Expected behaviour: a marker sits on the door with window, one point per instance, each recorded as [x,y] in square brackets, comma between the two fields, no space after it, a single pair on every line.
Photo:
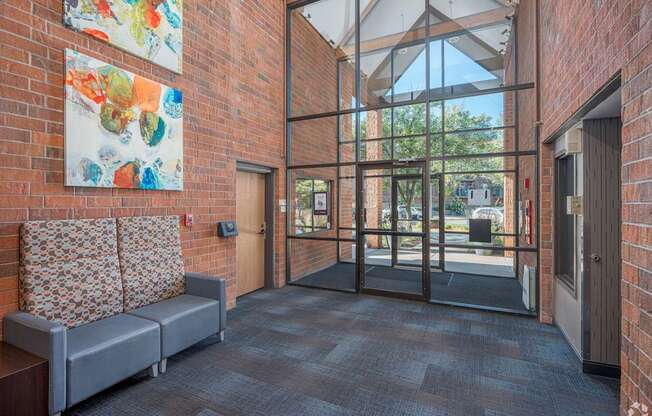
[392,236]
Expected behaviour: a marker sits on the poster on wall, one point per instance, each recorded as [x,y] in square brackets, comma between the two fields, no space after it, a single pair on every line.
[320,206]
[151,29]
[121,130]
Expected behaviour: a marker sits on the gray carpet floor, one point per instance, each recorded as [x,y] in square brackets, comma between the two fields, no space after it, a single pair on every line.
[308,352]
[484,291]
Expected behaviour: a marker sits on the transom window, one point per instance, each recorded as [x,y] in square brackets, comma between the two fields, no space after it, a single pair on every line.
[311,215]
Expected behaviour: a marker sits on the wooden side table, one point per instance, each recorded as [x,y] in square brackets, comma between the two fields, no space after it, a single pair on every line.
[23,382]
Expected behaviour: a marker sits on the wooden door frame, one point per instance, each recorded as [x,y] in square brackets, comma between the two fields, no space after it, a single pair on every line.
[270,223]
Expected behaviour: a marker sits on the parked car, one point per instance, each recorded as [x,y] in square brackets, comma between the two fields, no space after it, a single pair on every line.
[490,213]
[417,213]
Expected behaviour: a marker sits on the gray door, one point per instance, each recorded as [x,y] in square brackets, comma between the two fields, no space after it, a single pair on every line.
[601,323]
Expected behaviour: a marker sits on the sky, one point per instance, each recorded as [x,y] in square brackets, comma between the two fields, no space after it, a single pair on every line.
[460,69]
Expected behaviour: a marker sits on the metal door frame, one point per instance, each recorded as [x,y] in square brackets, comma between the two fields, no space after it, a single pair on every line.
[437,178]
[362,232]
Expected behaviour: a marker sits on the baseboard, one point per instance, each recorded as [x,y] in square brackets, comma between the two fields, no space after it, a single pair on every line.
[601,369]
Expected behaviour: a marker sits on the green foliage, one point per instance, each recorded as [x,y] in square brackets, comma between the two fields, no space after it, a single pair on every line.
[456,206]
[411,121]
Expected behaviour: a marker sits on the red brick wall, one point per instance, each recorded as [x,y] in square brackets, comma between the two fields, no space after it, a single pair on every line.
[314,90]
[584,43]
[233,85]
[636,355]
[522,43]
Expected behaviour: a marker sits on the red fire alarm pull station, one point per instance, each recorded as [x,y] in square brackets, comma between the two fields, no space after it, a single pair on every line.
[188,220]
[527,183]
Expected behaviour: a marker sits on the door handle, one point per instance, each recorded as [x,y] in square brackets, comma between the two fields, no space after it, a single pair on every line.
[262,229]
[595,257]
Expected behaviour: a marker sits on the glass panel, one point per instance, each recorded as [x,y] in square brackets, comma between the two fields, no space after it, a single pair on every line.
[346,201]
[478,112]
[376,150]
[376,77]
[479,142]
[377,203]
[347,152]
[409,204]
[346,80]
[480,261]
[447,10]
[410,148]
[305,208]
[436,166]
[347,252]
[434,209]
[526,119]
[409,251]
[436,145]
[527,192]
[390,21]
[314,141]
[436,73]
[378,251]
[473,61]
[347,127]
[379,273]
[323,57]
[477,164]
[478,196]
[376,124]
[476,40]
[391,72]
[314,263]
[409,120]
[436,117]
[434,256]
[407,171]
[409,70]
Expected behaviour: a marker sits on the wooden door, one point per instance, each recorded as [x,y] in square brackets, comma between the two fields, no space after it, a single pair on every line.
[250,243]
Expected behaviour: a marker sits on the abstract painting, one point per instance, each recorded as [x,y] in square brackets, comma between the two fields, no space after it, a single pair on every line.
[121,130]
[151,29]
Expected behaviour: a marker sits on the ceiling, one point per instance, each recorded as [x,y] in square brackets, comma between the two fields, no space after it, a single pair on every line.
[391,21]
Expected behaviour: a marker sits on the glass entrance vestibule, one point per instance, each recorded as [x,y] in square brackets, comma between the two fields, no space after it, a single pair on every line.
[408,171]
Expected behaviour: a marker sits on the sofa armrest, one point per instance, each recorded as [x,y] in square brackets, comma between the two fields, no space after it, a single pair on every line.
[45,339]
[198,284]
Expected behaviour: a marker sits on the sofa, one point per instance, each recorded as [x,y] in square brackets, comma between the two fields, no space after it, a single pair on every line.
[104,299]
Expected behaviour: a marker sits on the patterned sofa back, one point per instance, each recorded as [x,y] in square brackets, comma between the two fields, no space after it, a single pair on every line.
[151,264]
[69,271]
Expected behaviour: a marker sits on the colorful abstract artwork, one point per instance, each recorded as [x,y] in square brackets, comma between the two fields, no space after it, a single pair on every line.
[151,29]
[121,130]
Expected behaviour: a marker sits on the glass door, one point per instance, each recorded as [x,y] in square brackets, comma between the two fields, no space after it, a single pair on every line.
[407,217]
[392,238]
[437,217]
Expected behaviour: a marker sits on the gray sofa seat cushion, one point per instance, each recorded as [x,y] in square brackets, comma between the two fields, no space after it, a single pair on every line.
[105,352]
[185,320]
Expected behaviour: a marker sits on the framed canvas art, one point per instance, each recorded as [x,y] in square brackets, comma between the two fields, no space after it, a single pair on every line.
[121,130]
[151,29]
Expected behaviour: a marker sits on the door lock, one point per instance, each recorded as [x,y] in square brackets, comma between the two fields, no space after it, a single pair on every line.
[596,258]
